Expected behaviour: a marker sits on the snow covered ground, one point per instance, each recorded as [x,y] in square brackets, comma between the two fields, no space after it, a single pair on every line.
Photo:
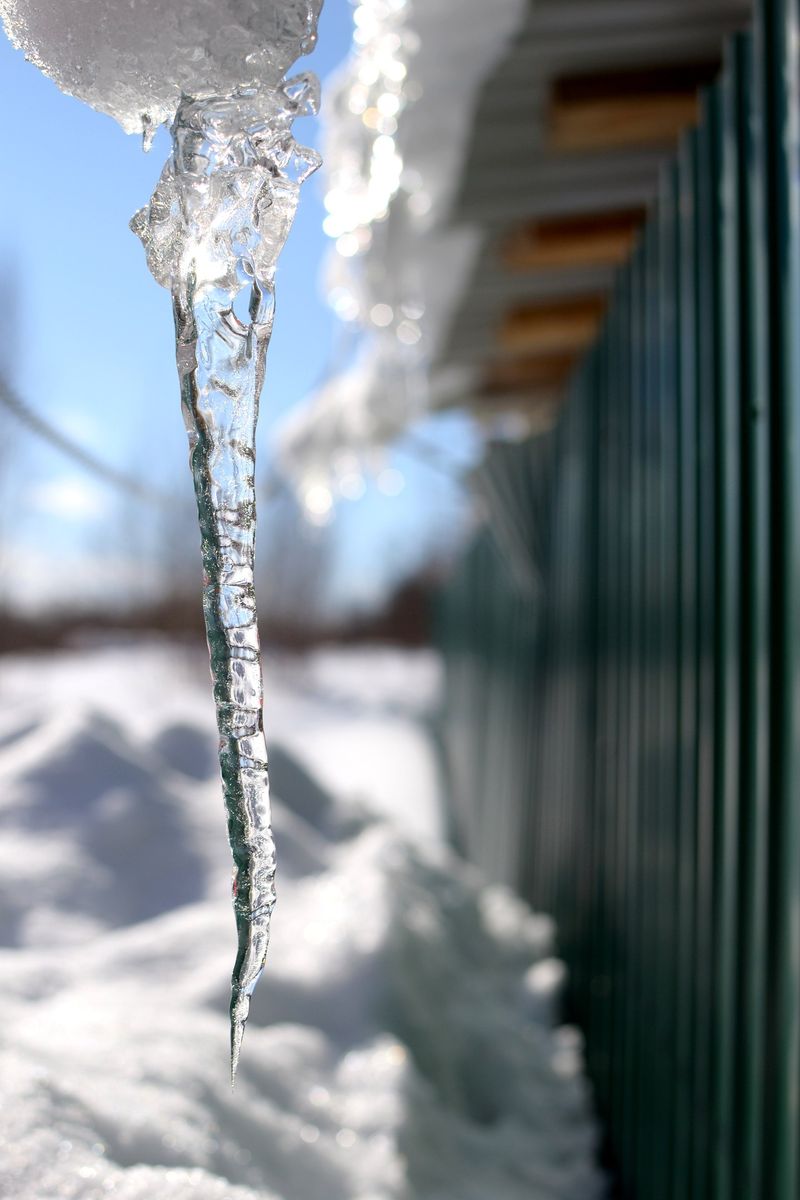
[401,1043]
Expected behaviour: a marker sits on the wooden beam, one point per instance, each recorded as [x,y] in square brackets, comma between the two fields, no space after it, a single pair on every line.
[533,373]
[552,327]
[642,107]
[554,243]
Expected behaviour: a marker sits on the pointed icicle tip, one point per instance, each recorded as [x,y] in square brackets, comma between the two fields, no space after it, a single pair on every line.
[240,1007]
[237,1034]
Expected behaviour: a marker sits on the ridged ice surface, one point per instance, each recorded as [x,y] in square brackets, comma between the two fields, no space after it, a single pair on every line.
[212,232]
[132,59]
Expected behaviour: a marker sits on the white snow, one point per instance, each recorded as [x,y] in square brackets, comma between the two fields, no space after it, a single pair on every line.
[401,1044]
[132,58]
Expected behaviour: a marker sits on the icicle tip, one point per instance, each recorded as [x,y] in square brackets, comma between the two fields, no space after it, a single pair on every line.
[240,1007]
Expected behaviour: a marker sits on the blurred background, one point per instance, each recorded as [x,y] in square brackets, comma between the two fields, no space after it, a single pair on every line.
[80,543]
[528,588]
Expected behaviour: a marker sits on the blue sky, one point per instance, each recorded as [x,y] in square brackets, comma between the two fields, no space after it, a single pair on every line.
[92,342]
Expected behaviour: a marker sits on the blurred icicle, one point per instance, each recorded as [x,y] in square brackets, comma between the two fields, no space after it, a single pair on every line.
[396,134]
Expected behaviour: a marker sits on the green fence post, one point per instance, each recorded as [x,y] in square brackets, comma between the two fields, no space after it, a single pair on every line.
[777,42]
[755,574]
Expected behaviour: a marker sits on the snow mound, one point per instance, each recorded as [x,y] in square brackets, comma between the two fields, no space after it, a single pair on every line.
[403,1042]
[133,58]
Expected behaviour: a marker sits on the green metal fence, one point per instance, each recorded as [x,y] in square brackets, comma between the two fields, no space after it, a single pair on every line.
[623,652]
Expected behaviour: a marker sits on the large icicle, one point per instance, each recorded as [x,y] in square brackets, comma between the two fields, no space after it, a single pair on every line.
[213,231]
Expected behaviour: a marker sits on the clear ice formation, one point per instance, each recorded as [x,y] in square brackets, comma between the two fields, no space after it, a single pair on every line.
[212,232]
[133,59]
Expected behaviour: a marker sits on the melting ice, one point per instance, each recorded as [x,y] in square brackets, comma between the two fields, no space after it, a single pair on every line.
[212,232]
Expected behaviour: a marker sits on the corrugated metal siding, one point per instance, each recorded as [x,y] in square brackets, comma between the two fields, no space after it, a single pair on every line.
[624,687]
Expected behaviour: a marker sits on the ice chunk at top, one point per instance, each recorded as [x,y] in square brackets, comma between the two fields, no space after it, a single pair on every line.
[132,59]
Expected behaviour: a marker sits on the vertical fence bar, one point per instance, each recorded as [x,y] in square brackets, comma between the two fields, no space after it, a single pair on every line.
[754,768]
[623,807]
[628,1128]
[704,309]
[727,629]
[668,668]
[586,639]
[652,781]
[687,493]
[777,41]
[597,681]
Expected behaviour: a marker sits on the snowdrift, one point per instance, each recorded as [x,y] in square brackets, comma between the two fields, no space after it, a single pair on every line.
[402,1043]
